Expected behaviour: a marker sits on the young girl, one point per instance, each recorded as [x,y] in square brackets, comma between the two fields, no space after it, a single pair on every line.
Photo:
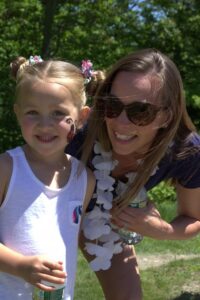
[42,189]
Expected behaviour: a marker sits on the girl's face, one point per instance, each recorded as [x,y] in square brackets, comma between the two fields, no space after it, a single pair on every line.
[47,116]
[129,137]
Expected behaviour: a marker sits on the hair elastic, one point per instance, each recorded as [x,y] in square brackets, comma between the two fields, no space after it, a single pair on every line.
[35,60]
[87,70]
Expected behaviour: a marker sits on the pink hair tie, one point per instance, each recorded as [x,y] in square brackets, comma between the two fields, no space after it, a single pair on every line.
[35,60]
[87,70]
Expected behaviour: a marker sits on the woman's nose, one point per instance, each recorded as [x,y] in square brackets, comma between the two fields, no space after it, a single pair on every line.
[123,119]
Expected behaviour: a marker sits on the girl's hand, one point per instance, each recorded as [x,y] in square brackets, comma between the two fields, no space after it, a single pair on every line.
[35,269]
[146,221]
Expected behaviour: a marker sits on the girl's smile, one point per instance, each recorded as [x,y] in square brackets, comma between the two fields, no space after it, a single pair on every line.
[44,116]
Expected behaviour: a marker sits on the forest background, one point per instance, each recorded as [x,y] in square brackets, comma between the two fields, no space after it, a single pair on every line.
[102,31]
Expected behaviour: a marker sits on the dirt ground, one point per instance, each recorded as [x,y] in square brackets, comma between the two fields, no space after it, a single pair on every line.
[149,261]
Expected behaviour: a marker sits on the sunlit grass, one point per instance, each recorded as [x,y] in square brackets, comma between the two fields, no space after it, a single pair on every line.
[177,280]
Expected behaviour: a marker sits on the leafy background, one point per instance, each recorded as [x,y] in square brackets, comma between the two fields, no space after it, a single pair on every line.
[102,31]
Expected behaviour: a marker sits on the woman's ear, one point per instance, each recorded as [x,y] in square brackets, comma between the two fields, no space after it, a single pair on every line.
[167,119]
[163,119]
[83,116]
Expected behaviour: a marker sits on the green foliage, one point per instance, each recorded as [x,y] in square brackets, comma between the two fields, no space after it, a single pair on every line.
[102,31]
[162,193]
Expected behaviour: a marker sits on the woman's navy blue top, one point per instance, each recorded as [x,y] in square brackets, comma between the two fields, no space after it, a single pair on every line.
[185,170]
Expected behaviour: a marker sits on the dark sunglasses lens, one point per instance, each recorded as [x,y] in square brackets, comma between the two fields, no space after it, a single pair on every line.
[113,108]
[141,114]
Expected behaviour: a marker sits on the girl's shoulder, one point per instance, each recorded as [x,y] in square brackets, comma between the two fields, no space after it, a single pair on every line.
[90,188]
[5,173]
[5,162]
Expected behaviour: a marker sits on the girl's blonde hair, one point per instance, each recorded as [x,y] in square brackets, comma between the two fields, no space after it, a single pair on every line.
[63,73]
[153,63]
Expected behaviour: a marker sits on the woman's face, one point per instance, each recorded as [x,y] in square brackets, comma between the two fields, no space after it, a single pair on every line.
[125,136]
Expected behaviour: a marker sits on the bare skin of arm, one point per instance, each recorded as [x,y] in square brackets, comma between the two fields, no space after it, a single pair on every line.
[148,221]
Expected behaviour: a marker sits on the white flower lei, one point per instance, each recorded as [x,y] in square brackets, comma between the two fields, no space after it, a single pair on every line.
[96,224]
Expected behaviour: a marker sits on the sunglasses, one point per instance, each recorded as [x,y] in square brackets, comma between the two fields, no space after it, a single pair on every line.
[139,113]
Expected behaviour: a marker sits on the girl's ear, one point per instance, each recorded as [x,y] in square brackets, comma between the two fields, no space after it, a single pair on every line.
[83,116]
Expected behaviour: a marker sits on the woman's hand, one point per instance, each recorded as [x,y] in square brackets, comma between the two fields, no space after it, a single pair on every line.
[36,269]
[146,221]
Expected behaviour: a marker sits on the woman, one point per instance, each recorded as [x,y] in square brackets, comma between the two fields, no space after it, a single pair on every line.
[139,133]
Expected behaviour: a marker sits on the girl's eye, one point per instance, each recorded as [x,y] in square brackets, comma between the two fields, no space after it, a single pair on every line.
[58,113]
[31,112]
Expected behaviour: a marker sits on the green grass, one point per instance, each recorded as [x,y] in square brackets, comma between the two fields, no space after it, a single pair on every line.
[177,280]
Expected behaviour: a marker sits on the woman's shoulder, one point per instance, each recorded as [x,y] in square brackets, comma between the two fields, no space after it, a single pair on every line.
[185,163]
[74,147]
[193,139]
[181,165]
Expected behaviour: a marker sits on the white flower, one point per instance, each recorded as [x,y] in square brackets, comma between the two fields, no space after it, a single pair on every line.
[102,163]
[95,228]
[100,263]
[106,184]
[104,254]
[104,198]
[97,213]
[98,250]
[111,237]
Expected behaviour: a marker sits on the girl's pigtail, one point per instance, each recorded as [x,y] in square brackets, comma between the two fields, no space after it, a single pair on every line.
[19,63]
[93,79]
[16,65]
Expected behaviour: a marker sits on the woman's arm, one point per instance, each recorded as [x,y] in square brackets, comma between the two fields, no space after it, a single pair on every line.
[148,222]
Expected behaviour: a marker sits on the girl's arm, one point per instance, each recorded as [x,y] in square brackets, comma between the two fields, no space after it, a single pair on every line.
[5,174]
[148,222]
[90,188]
[32,269]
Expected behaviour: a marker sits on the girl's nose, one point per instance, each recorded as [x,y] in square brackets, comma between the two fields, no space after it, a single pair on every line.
[45,121]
